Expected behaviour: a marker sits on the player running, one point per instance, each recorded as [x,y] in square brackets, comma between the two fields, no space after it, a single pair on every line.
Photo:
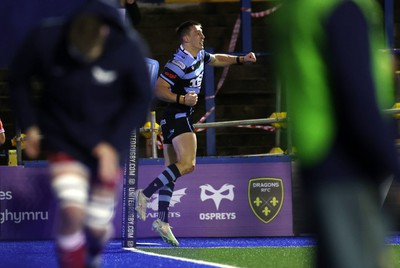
[179,84]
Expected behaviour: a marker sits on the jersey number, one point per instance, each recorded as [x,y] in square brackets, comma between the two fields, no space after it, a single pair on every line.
[196,82]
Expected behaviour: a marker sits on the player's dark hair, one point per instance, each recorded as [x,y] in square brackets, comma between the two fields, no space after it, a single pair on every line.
[184,28]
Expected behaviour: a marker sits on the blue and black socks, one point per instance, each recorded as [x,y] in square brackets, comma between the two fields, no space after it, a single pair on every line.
[165,182]
[164,199]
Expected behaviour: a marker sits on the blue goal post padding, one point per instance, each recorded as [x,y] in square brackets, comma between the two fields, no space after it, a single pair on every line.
[153,70]
[131,176]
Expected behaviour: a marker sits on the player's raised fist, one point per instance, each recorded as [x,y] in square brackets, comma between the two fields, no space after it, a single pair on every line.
[250,57]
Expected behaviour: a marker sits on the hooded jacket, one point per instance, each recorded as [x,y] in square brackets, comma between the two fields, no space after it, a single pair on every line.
[82,103]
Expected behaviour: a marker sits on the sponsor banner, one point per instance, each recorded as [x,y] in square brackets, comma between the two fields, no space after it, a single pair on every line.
[226,197]
[223,197]
[27,206]
[266,196]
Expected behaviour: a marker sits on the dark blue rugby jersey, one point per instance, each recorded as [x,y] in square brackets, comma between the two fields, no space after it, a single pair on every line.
[185,73]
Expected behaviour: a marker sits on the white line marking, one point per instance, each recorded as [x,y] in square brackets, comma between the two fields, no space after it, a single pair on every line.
[180,259]
[148,244]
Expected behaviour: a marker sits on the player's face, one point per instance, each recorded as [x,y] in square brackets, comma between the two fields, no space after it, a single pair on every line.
[197,37]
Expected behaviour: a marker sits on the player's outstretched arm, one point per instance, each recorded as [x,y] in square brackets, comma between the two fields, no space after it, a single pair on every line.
[223,60]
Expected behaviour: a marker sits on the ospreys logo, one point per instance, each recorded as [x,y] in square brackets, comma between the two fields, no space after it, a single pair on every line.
[225,192]
[265,197]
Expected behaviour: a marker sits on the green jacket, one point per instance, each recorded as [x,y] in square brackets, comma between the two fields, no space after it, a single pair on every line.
[304,72]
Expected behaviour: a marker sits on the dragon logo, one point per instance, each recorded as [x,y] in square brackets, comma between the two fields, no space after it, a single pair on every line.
[176,198]
[225,192]
[266,196]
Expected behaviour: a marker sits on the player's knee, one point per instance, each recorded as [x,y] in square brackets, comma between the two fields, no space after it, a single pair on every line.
[71,190]
[188,167]
[192,167]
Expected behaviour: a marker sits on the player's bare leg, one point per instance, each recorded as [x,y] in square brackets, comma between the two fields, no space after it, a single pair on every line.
[99,228]
[185,147]
[70,185]
[170,156]
[180,159]
[182,153]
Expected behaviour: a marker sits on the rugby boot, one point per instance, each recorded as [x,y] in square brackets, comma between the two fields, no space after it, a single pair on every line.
[141,204]
[165,232]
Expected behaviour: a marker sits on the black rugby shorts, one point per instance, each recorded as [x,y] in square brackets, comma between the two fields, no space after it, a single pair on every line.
[173,125]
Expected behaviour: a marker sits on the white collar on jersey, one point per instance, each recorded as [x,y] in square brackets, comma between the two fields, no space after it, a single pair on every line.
[187,52]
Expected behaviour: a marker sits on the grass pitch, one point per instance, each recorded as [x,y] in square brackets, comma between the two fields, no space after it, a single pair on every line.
[299,257]
[257,257]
